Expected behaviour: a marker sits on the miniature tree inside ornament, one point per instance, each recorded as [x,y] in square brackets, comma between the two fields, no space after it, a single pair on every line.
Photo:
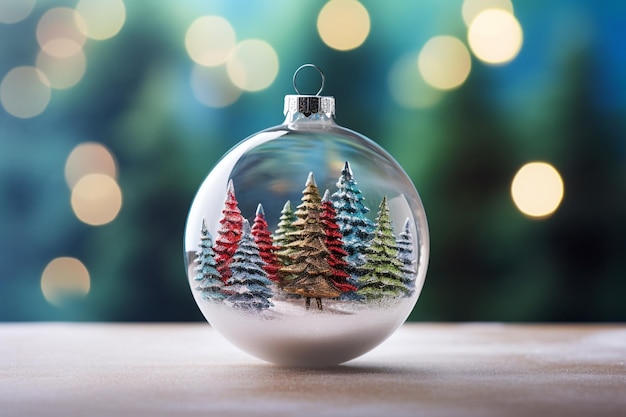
[319,278]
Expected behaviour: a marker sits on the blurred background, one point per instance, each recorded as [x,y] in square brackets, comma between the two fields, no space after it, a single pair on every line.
[509,117]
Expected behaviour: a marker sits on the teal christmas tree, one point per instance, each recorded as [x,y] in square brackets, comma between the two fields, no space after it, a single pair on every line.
[355,227]
[407,257]
[383,276]
[263,239]
[248,285]
[209,280]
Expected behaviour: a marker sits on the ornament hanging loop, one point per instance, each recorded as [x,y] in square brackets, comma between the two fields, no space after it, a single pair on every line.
[306,104]
[295,74]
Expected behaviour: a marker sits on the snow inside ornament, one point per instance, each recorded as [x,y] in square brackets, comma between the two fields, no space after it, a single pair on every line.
[307,244]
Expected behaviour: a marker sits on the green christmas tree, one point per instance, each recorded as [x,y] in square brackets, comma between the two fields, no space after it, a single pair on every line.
[407,257]
[285,225]
[209,280]
[312,275]
[248,285]
[383,275]
[283,237]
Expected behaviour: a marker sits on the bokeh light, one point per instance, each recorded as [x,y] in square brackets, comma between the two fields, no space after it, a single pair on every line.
[537,189]
[210,40]
[25,92]
[407,87]
[444,62]
[62,72]
[13,11]
[103,18]
[472,8]
[96,199]
[253,65]
[63,280]
[212,87]
[343,24]
[89,158]
[60,32]
[495,36]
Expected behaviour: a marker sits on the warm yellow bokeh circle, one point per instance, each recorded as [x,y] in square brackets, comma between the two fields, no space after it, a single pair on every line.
[64,279]
[537,189]
[343,24]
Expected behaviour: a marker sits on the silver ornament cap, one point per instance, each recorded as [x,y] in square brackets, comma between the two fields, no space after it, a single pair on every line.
[309,105]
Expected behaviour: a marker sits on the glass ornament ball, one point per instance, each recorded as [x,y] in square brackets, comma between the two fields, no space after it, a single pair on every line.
[307,243]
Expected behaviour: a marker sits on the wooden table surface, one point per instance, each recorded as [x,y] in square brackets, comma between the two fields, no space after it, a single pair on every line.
[482,369]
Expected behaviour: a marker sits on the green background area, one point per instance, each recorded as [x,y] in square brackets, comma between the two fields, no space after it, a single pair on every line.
[561,100]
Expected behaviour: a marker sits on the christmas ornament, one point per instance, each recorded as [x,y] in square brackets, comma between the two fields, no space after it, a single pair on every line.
[285,258]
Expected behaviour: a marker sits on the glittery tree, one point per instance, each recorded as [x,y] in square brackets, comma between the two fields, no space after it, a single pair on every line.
[209,280]
[354,225]
[407,257]
[312,274]
[229,233]
[263,239]
[283,236]
[285,225]
[383,270]
[248,285]
[336,259]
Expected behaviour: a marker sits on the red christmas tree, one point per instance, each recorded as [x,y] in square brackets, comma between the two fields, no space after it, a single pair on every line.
[336,259]
[229,234]
[263,239]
